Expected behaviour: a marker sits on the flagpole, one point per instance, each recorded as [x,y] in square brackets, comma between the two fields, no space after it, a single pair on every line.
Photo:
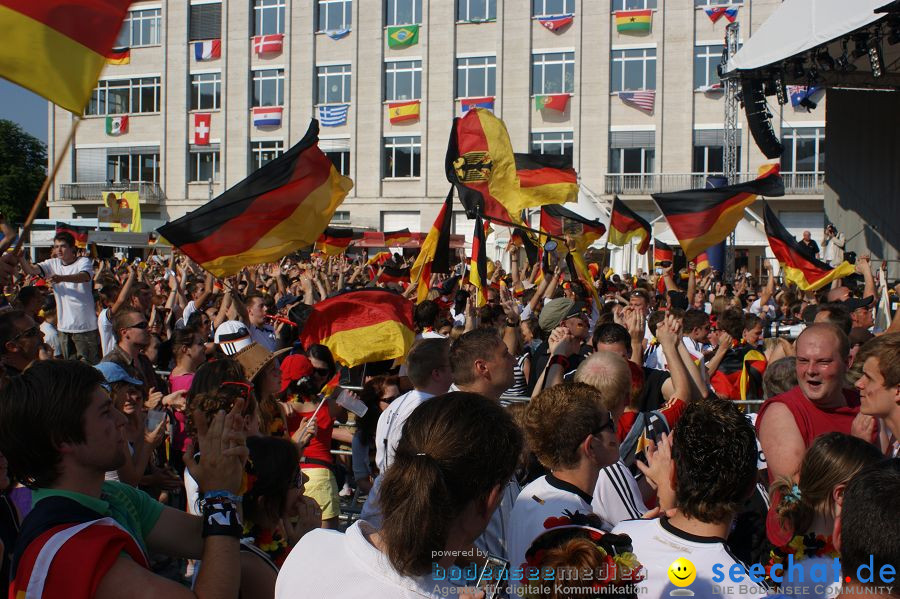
[500,221]
[39,200]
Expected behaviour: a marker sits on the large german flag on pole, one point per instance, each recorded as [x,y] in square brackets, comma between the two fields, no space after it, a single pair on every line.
[625,223]
[478,263]
[546,178]
[434,257]
[57,48]
[362,326]
[279,208]
[799,267]
[334,241]
[563,222]
[701,218]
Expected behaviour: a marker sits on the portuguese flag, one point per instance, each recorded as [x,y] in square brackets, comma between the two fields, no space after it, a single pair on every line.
[547,178]
[283,206]
[634,20]
[701,218]
[563,222]
[333,241]
[362,326]
[625,223]
[805,271]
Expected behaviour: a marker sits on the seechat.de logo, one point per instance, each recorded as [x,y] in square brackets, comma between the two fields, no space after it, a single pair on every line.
[682,573]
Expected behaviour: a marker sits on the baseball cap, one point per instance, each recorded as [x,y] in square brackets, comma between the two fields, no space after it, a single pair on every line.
[114,373]
[232,336]
[286,301]
[854,303]
[554,312]
[294,368]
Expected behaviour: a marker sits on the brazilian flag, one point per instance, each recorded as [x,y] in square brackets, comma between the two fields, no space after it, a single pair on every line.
[403,36]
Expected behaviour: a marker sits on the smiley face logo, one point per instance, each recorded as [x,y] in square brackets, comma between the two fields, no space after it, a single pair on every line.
[682,572]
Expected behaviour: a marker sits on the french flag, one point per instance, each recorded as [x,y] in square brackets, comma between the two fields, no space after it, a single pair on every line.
[267,116]
[208,50]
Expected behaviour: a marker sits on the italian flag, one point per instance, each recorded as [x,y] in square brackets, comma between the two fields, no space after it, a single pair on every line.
[116,125]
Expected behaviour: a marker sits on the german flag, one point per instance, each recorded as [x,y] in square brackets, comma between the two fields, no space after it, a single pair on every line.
[394,274]
[563,222]
[700,218]
[662,252]
[547,178]
[57,48]
[119,56]
[379,258]
[478,264]
[521,238]
[701,262]
[578,268]
[284,206]
[79,233]
[333,241]
[395,238]
[740,374]
[434,257]
[362,326]
[625,223]
[805,271]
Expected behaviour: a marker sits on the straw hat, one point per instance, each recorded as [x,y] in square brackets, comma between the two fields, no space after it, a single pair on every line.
[254,358]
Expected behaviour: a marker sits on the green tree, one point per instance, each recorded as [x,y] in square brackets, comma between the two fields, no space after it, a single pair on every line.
[23,167]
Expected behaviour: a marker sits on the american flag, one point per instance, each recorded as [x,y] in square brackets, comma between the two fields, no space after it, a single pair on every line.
[644,100]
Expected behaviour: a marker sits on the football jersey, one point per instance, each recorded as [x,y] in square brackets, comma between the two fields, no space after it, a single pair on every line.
[616,496]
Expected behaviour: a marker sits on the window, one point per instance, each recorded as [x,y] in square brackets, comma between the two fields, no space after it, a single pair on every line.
[268,87]
[403,12]
[632,4]
[552,73]
[268,17]
[140,28]
[804,150]
[633,69]
[547,8]
[403,80]
[341,216]
[476,10]
[402,157]
[132,165]
[476,76]
[341,161]
[206,21]
[709,153]
[334,84]
[715,2]
[334,15]
[123,96]
[263,152]
[338,151]
[706,62]
[557,142]
[203,164]
[632,152]
[206,89]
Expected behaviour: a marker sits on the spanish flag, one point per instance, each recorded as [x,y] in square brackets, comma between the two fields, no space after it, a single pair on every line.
[805,271]
[394,238]
[79,233]
[563,222]
[119,56]
[403,111]
[662,252]
[700,218]
[478,264]
[57,48]
[283,206]
[547,178]
[362,326]
[434,257]
[333,241]
[625,223]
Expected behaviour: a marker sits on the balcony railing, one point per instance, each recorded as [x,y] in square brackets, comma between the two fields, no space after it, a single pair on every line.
[637,184]
[93,192]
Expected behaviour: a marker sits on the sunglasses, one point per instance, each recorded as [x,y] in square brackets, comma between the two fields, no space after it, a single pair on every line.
[29,332]
[389,399]
[609,425]
[139,325]
[244,390]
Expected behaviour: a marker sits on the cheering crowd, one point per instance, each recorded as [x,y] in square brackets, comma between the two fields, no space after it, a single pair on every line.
[166,433]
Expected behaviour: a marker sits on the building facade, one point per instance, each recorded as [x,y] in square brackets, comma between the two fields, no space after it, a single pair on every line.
[643,111]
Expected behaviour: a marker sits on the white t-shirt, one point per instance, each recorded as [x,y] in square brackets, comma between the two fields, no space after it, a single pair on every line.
[74,301]
[107,332]
[757,308]
[326,564]
[657,544]
[390,425]
[493,539]
[616,496]
[51,337]
[188,310]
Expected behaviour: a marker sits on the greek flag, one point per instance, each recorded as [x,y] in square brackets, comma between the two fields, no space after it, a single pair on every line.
[334,115]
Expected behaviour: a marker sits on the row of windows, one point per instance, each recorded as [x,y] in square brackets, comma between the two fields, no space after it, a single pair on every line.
[645,4]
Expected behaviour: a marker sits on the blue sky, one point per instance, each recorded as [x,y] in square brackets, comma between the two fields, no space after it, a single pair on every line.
[29,110]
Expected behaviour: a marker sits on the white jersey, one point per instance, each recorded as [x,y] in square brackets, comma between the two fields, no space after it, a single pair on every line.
[494,538]
[616,496]
[74,301]
[657,544]
[107,332]
[51,338]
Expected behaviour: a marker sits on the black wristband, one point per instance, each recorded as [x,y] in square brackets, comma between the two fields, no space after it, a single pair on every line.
[511,324]
[220,518]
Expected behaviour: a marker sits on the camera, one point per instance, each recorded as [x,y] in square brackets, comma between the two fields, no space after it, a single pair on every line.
[785,329]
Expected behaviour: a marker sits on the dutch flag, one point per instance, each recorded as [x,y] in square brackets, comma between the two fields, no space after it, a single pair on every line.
[207,50]
[267,116]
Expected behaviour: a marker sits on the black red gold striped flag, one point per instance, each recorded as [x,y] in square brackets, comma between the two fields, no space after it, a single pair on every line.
[578,268]
[547,178]
[740,374]
[379,258]
[78,232]
[625,223]
[334,241]
[662,252]
[563,222]
[478,263]
[700,218]
[283,206]
[394,238]
[805,271]
[362,326]
[434,257]
[521,238]
[394,274]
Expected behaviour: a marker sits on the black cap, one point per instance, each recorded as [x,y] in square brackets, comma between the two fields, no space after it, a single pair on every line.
[854,303]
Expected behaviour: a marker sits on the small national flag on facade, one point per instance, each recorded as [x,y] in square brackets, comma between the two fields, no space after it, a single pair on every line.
[202,123]
[267,116]
[634,20]
[711,88]
[557,102]
[470,103]
[731,13]
[208,50]
[715,12]
[272,43]
[403,36]
[800,96]
[395,238]
[400,112]
[337,34]
[643,100]
[119,56]
[625,223]
[555,23]
[116,125]
[334,115]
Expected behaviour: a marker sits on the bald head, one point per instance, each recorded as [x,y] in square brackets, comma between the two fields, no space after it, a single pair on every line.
[827,333]
[822,351]
[609,374]
[839,294]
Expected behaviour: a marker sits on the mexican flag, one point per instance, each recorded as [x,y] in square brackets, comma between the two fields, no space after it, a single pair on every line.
[403,36]
[116,125]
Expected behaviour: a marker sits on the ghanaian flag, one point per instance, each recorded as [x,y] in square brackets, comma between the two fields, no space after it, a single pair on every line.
[333,241]
[478,264]
[362,326]
[57,48]
[563,222]
[805,271]
[434,257]
[283,206]
[547,178]
[662,252]
[625,223]
[700,218]
[79,233]
[394,238]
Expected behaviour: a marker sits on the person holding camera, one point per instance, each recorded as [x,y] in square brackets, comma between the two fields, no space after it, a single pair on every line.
[833,243]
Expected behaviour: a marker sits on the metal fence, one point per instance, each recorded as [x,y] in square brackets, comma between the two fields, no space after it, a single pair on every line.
[645,184]
[93,192]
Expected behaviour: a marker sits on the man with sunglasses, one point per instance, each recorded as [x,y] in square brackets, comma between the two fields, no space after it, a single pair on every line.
[20,341]
[133,335]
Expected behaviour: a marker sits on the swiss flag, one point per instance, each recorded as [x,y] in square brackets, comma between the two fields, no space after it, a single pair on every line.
[201,129]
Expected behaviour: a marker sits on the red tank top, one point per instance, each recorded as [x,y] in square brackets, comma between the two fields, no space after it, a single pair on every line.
[811,419]
[319,447]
